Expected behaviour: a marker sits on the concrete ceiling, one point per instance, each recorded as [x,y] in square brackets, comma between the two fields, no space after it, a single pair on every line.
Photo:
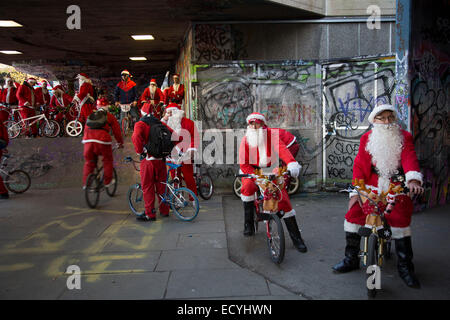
[103,44]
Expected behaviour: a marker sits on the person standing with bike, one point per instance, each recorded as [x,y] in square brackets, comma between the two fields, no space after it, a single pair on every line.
[257,149]
[188,141]
[26,96]
[4,141]
[175,93]
[153,170]
[385,151]
[8,98]
[58,103]
[98,142]
[85,97]
[125,93]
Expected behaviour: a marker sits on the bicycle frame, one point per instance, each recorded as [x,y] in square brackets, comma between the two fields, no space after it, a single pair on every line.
[172,167]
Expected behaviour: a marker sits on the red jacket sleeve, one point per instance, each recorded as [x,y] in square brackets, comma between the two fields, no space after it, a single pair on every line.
[140,136]
[283,151]
[114,124]
[409,160]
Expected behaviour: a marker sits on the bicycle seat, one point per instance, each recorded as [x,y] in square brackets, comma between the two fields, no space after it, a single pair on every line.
[173,165]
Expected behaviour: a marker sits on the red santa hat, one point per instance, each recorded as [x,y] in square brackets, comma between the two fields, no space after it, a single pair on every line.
[82,75]
[153,81]
[31,79]
[173,106]
[256,116]
[379,109]
[125,72]
[102,102]
[176,75]
[57,87]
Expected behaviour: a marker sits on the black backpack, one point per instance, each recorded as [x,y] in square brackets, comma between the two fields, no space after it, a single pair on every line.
[97,119]
[159,144]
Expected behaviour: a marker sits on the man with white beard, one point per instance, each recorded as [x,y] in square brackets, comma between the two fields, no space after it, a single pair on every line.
[85,96]
[258,148]
[188,140]
[8,98]
[42,96]
[384,151]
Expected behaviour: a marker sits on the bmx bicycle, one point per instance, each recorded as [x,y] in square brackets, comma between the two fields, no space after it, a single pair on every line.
[94,185]
[17,181]
[270,185]
[182,201]
[49,128]
[376,232]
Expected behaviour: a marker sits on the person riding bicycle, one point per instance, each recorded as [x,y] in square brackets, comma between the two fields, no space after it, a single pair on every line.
[58,102]
[384,151]
[4,141]
[153,172]
[125,93]
[188,141]
[85,97]
[257,150]
[152,100]
[27,102]
[98,142]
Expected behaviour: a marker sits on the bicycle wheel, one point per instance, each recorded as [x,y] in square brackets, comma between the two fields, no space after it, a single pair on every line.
[185,204]
[205,187]
[125,126]
[51,128]
[74,128]
[135,198]
[17,181]
[275,238]
[372,259]
[237,185]
[92,191]
[13,128]
[111,191]
[294,185]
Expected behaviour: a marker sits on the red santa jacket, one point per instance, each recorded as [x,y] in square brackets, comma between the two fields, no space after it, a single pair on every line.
[362,168]
[41,98]
[25,95]
[63,102]
[140,137]
[176,96]
[85,89]
[287,137]
[249,157]
[12,95]
[102,136]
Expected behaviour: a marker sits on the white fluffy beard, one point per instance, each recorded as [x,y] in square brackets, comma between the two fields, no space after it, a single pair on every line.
[174,120]
[257,138]
[152,90]
[385,146]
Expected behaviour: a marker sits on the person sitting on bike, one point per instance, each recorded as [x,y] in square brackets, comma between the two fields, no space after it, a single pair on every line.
[153,173]
[189,141]
[27,102]
[126,93]
[383,152]
[59,101]
[4,140]
[152,99]
[257,149]
[85,97]
[98,142]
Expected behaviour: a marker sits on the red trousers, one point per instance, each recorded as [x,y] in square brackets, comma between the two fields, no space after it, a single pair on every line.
[153,177]
[85,112]
[2,185]
[26,112]
[187,170]
[4,115]
[92,151]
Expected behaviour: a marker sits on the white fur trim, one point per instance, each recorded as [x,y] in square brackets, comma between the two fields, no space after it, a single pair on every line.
[351,227]
[399,233]
[289,214]
[256,116]
[194,149]
[414,175]
[248,198]
[381,108]
[292,142]
[96,141]
[143,113]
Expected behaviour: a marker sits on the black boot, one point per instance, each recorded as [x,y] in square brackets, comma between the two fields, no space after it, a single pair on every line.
[294,232]
[249,224]
[351,259]
[404,264]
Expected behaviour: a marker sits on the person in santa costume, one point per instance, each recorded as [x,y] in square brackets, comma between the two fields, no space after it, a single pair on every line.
[59,101]
[8,98]
[153,172]
[175,93]
[98,142]
[152,99]
[384,151]
[85,96]
[42,97]
[188,141]
[27,101]
[4,140]
[257,148]
[125,93]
